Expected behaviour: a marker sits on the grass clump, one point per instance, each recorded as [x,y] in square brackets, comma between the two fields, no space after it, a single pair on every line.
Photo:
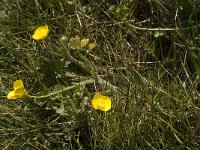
[144,57]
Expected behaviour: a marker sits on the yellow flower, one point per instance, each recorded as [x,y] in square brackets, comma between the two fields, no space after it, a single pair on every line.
[19,91]
[41,32]
[101,102]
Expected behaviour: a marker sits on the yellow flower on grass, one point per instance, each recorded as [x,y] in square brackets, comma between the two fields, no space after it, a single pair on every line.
[19,91]
[101,102]
[41,32]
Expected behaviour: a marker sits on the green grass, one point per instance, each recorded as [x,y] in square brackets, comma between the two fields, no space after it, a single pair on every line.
[146,60]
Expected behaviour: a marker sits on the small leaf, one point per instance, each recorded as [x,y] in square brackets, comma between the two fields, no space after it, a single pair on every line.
[84,42]
[91,46]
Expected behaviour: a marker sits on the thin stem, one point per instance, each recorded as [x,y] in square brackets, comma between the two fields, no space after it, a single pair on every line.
[71,58]
[111,23]
[153,29]
[62,90]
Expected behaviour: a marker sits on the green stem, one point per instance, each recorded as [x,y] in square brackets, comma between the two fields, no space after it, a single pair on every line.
[153,29]
[62,90]
[71,58]
[143,28]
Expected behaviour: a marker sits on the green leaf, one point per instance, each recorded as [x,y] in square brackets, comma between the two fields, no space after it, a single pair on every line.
[84,42]
[75,43]
[91,46]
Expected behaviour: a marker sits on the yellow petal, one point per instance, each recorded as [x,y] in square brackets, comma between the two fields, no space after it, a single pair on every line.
[18,84]
[19,91]
[97,95]
[101,102]
[11,95]
[41,32]
[84,42]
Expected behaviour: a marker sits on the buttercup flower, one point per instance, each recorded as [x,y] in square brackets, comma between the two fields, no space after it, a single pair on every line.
[101,102]
[19,91]
[41,32]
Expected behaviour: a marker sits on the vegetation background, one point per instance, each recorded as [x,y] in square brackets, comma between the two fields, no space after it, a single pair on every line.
[146,59]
